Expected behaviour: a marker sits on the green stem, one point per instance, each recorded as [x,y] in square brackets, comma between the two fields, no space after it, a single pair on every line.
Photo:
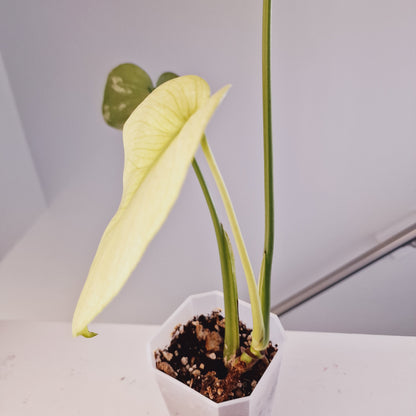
[265,276]
[258,325]
[231,338]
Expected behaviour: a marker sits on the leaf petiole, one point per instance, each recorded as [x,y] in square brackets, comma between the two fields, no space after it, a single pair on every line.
[232,338]
[258,325]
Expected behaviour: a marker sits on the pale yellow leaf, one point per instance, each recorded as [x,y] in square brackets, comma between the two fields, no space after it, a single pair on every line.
[160,139]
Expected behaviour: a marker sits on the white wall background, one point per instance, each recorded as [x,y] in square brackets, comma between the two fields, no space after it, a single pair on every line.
[344,116]
[21,195]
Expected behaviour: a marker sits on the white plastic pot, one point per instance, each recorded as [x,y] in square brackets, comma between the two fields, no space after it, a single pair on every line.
[182,400]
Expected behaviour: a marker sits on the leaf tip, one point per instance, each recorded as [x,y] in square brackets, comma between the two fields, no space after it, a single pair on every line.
[221,93]
[85,333]
[225,88]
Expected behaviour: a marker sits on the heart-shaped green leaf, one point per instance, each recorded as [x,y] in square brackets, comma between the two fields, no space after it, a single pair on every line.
[127,86]
[166,76]
[160,140]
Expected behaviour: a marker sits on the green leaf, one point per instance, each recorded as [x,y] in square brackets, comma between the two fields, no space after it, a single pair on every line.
[127,86]
[166,76]
[160,140]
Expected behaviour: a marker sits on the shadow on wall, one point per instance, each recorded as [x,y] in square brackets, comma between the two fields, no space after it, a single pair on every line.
[21,195]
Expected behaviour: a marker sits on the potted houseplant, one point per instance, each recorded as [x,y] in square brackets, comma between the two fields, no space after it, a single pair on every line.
[163,126]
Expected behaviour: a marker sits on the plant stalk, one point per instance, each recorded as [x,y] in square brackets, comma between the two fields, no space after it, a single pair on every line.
[265,275]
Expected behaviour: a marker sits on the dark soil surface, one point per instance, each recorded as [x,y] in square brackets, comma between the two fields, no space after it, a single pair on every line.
[195,357]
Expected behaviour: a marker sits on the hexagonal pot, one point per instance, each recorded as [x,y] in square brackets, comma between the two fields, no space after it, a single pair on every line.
[182,400]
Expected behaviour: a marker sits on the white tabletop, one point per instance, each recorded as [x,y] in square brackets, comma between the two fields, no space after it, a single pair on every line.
[44,371]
